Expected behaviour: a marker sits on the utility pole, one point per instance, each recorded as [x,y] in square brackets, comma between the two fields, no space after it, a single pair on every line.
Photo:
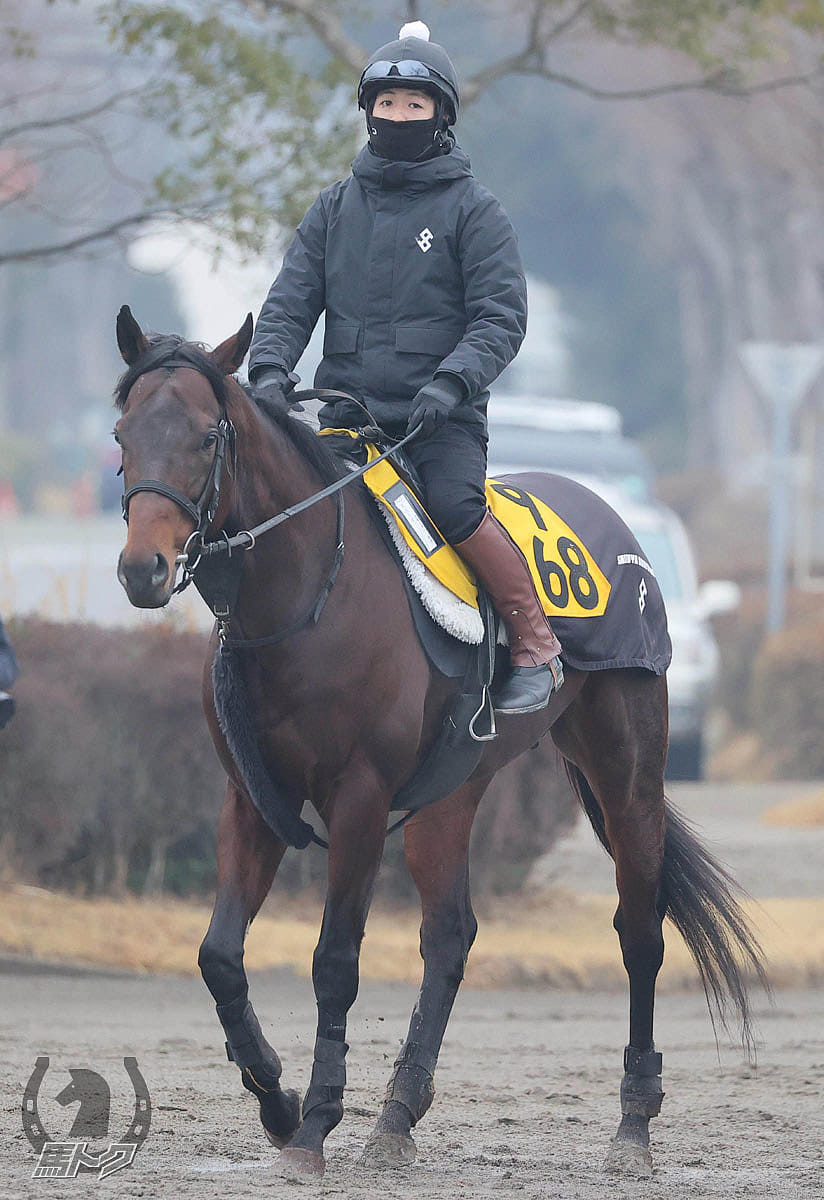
[782,373]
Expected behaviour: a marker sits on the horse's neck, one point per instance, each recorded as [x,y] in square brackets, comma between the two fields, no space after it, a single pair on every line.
[288,561]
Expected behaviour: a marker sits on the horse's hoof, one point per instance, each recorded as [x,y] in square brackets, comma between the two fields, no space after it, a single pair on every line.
[298,1164]
[277,1142]
[385,1149]
[628,1158]
[292,1123]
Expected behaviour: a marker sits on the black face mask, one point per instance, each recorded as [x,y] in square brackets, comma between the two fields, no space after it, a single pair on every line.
[402,141]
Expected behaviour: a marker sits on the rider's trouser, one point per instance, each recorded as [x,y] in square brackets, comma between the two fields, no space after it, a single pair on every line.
[451,462]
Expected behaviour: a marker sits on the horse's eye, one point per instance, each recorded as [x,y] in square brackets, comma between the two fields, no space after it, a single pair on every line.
[210,439]
[114,435]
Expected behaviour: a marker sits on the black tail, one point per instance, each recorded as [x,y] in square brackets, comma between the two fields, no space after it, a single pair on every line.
[701,900]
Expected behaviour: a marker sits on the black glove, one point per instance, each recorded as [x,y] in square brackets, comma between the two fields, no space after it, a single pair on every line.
[433,404]
[272,386]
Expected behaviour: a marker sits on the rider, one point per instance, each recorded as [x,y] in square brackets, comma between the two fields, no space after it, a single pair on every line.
[418,269]
[9,671]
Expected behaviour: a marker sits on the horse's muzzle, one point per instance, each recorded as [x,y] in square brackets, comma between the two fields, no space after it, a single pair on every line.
[147,581]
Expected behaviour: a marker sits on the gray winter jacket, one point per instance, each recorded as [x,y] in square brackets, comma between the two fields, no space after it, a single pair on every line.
[418,269]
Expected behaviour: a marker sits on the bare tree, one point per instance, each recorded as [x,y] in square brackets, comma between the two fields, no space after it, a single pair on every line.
[223,124]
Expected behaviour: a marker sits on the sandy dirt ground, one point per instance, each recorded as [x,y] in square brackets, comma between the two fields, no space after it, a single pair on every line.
[526,1092]
[527,1088]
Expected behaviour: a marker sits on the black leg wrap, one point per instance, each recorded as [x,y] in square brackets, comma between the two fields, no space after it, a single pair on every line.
[328,1074]
[641,1092]
[246,1046]
[411,1083]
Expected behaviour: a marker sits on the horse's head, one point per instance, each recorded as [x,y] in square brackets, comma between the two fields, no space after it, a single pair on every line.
[173,432]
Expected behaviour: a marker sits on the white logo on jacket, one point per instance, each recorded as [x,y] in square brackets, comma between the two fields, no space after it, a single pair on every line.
[424,239]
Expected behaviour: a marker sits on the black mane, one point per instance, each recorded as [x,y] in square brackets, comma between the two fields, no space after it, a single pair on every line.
[315,450]
[171,350]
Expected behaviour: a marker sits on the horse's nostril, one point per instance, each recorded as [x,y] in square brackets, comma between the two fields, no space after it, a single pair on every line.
[160,573]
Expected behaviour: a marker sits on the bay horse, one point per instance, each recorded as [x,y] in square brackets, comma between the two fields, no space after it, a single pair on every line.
[343,707]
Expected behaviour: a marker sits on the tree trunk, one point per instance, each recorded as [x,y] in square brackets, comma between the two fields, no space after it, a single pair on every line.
[153,883]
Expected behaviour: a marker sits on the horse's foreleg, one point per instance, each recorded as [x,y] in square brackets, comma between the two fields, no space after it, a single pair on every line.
[357,830]
[437,850]
[248,855]
[629,714]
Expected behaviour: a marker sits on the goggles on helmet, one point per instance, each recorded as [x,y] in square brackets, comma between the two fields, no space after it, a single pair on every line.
[407,68]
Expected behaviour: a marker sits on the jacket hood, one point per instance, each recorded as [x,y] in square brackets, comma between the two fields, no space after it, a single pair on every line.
[384,174]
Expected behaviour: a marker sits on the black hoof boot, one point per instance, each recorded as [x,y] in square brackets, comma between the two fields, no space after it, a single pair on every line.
[529,689]
[641,1096]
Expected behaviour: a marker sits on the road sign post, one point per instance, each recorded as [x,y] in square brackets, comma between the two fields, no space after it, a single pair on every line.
[782,374]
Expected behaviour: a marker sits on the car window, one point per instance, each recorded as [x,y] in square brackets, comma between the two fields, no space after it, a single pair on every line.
[543,447]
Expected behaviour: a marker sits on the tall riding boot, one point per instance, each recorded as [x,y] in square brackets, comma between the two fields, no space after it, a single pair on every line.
[534,648]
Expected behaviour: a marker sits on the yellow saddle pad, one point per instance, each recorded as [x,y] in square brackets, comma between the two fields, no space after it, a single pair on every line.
[567,578]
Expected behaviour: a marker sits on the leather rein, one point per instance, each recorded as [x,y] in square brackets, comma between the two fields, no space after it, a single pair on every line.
[202,511]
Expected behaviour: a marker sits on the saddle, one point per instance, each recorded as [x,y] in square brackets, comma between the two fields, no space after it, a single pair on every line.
[568,581]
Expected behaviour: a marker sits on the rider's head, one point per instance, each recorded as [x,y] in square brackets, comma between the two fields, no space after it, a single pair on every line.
[409,91]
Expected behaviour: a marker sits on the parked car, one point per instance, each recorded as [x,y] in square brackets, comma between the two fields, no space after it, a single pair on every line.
[571,438]
[693,672]
[567,415]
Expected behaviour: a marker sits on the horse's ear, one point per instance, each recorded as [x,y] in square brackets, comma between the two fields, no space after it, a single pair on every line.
[131,340]
[228,356]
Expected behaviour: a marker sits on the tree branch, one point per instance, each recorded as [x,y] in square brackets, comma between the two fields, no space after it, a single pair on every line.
[41,123]
[67,246]
[532,56]
[324,24]
[566,23]
[532,60]
[725,82]
[209,209]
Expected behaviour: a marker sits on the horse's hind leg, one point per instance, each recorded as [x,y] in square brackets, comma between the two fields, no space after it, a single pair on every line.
[248,855]
[437,850]
[616,734]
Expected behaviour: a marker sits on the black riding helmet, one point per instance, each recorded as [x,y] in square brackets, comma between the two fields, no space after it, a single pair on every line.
[412,61]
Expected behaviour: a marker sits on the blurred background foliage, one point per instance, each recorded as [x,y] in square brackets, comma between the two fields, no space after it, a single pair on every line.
[633,143]
[110,783]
